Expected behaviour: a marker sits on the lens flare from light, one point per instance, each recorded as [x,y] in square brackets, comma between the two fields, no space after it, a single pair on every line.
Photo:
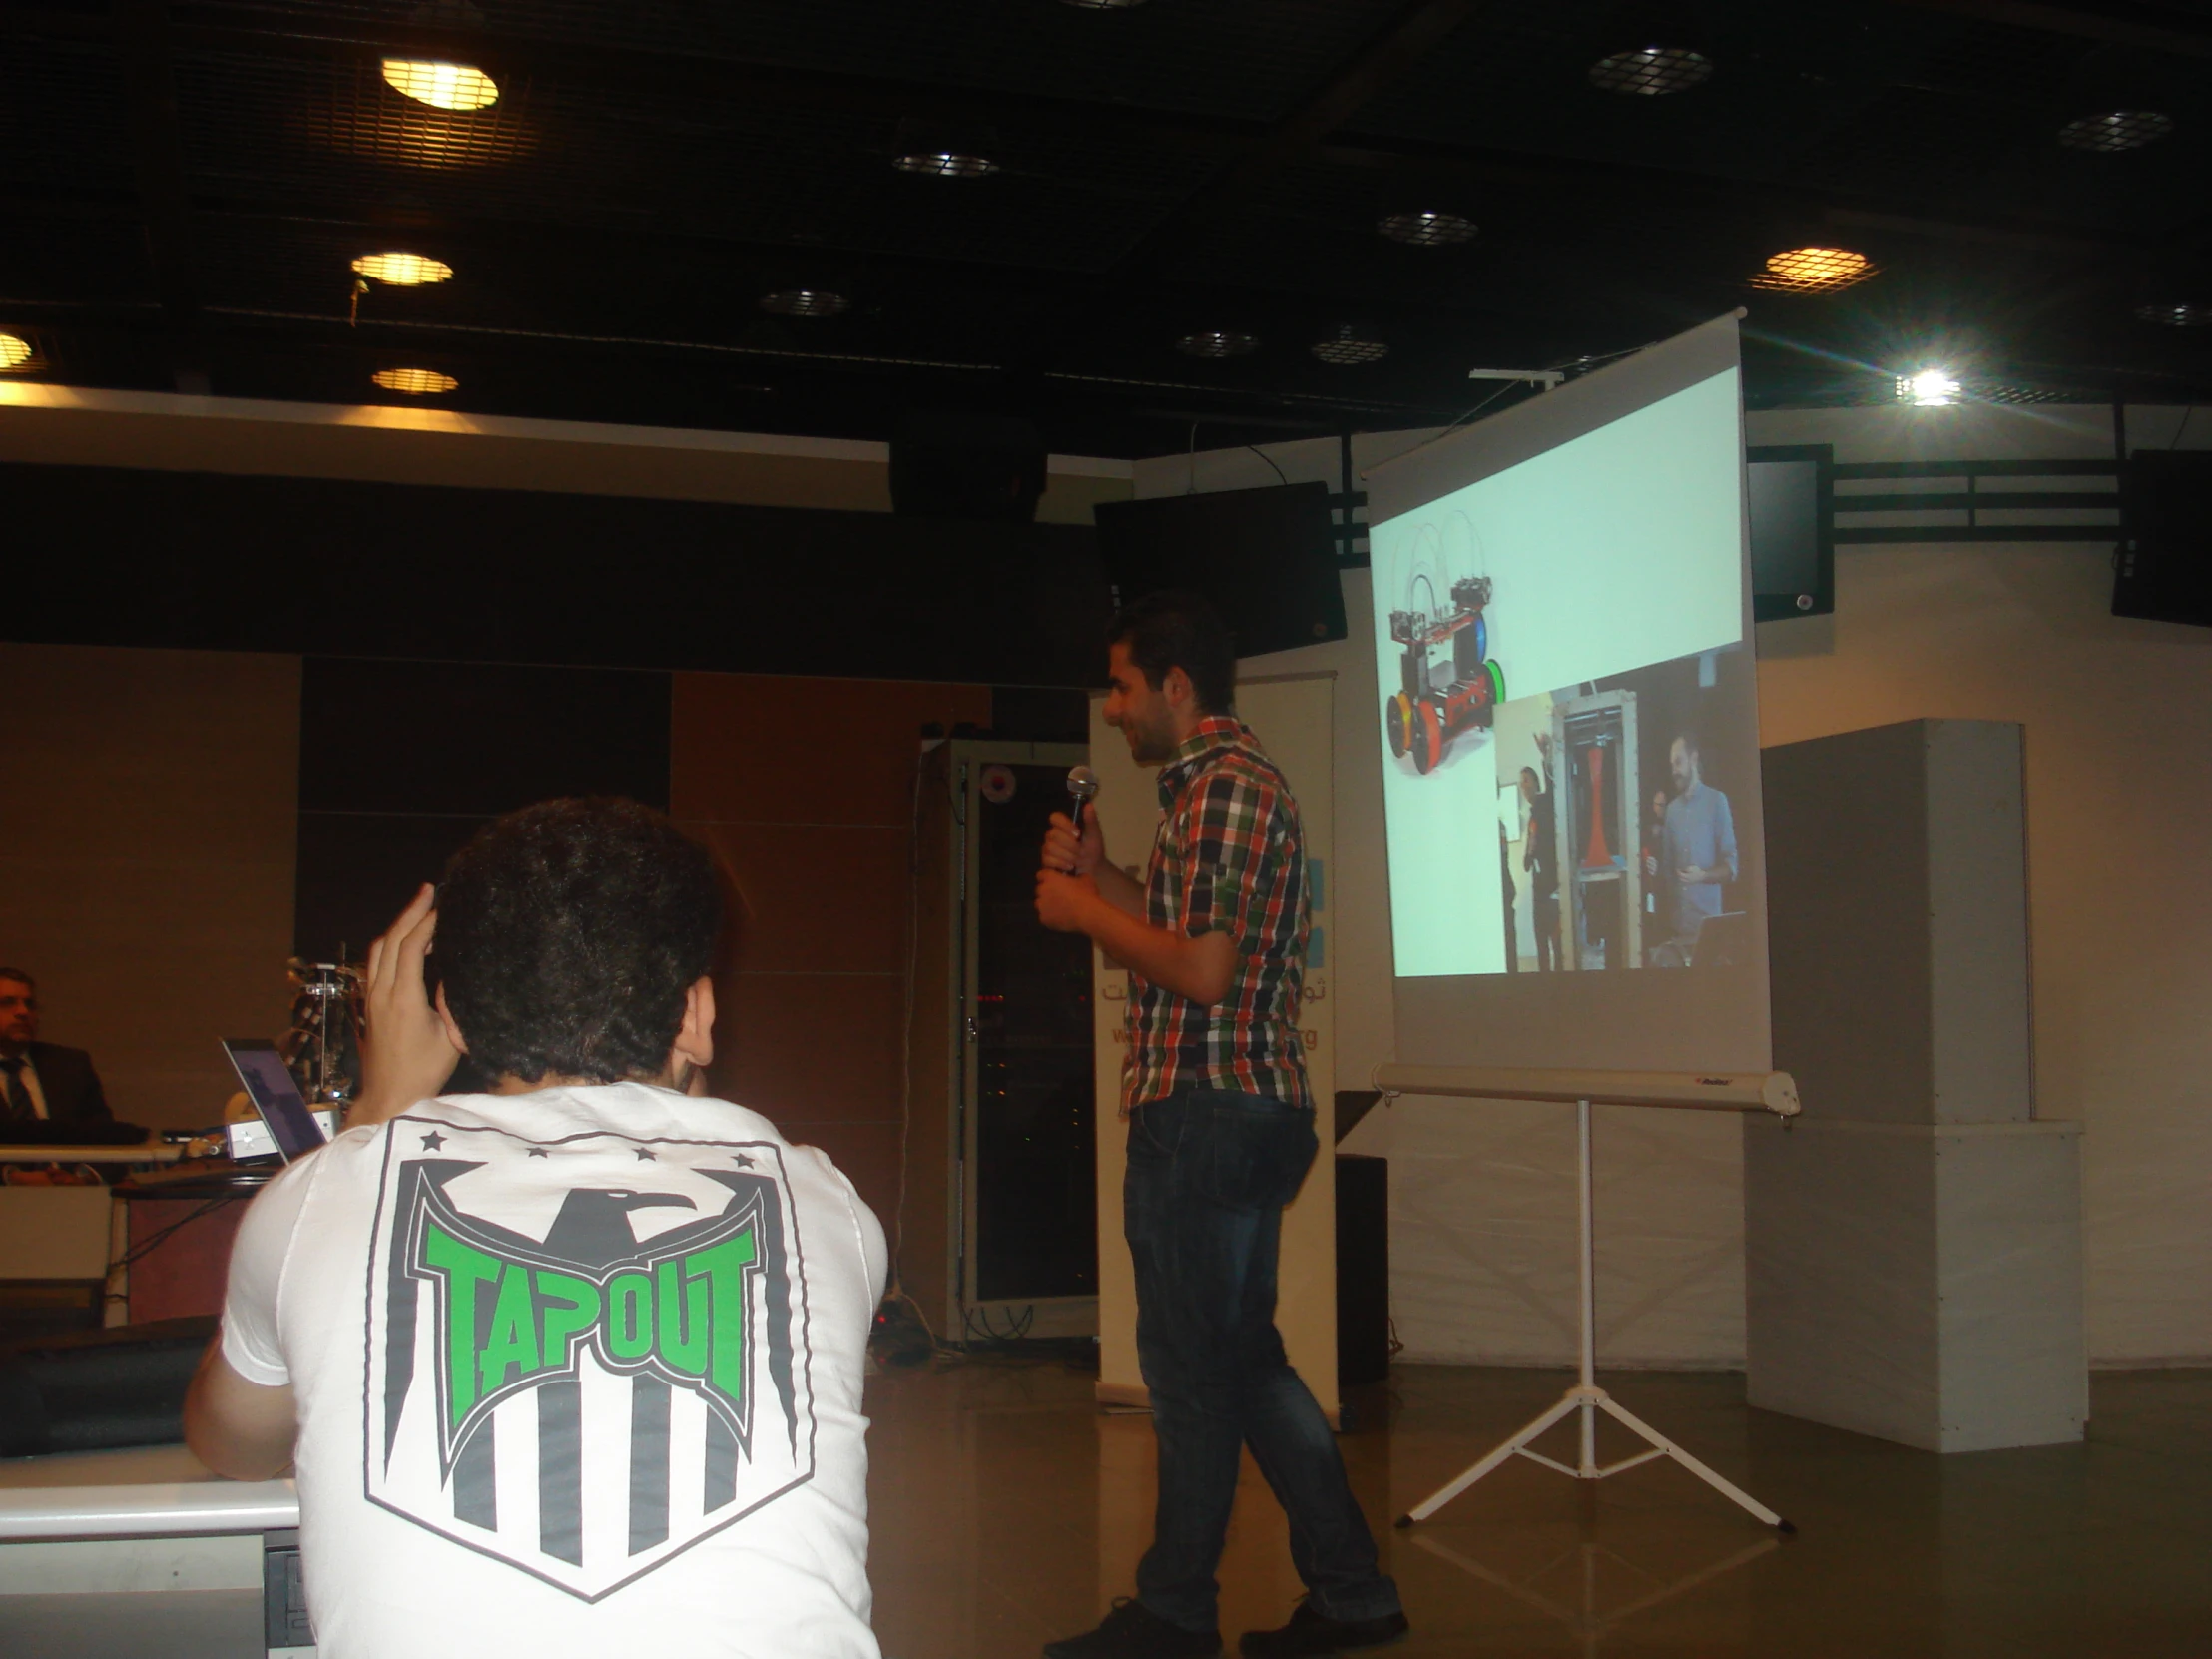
[1929,388]
[402,271]
[415,382]
[443,85]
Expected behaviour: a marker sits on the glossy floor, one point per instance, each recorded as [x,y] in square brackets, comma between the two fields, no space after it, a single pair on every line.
[1008,1511]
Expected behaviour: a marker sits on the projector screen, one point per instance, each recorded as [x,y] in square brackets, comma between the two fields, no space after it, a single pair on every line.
[1570,766]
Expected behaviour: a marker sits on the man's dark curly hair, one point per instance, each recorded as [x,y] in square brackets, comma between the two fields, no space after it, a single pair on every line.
[1177,629]
[567,935]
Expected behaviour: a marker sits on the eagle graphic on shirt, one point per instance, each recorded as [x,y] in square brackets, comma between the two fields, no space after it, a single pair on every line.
[587,1355]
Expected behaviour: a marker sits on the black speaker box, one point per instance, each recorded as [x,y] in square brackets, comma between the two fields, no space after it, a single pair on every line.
[948,464]
[1363,1268]
[2164,572]
[1266,558]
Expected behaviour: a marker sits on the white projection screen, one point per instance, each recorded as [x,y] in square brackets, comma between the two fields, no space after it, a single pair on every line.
[1571,770]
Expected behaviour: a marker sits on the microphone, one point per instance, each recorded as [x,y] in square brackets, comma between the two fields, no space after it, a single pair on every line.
[1082,784]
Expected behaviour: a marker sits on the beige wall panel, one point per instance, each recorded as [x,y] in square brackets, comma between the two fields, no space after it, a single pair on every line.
[147,857]
[73,427]
[2118,719]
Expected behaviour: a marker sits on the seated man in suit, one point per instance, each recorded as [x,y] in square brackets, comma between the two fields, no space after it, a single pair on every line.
[42,1082]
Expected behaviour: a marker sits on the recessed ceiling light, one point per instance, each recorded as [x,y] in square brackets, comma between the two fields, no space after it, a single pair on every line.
[1929,388]
[806,303]
[2115,129]
[15,352]
[1651,71]
[2178,315]
[415,382]
[402,271]
[1218,342]
[1812,270]
[1426,230]
[945,164]
[444,86]
[1349,345]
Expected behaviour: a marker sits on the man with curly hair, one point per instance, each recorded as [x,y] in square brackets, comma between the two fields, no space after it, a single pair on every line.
[572,1366]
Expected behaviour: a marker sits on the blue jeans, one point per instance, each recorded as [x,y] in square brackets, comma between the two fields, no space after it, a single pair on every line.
[1201,1207]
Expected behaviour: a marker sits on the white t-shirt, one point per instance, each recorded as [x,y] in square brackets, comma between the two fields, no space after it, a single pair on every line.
[578,1373]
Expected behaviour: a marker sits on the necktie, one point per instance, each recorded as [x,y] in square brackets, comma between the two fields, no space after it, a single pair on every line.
[19,1097]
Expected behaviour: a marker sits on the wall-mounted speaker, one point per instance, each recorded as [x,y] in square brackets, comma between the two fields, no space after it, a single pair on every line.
[946,463]
[2164,569]
[1266,558]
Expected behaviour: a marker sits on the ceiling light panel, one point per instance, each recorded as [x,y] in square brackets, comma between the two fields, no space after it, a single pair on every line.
[257,122]
[402,271]
[945,164]
[1426,230]
[1652,71]
[442,86]
[415,382]
[1348,346]
[2115,131]
[1217,344]
[1812,270]
[806,303]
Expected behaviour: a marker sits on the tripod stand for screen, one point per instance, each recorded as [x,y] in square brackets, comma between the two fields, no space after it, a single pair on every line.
[1764,1091]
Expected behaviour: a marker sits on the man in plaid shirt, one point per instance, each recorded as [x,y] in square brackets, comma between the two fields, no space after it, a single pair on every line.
[1221,1135]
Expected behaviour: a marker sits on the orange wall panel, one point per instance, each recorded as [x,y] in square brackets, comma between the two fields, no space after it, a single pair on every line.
[766,748]
[804,789]
[814,898]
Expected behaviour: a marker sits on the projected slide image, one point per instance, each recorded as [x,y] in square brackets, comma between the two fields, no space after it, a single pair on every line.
[1618,819]
[1546,638]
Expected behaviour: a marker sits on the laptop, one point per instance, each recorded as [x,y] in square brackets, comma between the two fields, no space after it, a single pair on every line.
[293,1127]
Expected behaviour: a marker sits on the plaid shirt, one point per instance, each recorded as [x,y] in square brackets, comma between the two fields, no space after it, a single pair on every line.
[1228,859]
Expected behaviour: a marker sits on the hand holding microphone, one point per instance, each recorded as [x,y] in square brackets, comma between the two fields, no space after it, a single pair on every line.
[1073,844]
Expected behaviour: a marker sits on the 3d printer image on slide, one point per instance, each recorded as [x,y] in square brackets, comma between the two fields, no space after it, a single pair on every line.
[1448,683]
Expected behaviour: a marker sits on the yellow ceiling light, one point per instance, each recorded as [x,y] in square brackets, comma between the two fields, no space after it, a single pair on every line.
[444,86]
[1812,270]
[15,352]
[415,382]
[403,270]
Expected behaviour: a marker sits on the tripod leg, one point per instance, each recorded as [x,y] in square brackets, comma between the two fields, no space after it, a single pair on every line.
[1720,1486]
[1445,1494]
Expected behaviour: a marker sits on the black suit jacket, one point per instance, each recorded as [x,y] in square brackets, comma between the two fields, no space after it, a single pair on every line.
[71,1086]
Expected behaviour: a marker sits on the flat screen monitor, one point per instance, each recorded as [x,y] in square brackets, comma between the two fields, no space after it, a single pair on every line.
[269,1086]
[1790,493]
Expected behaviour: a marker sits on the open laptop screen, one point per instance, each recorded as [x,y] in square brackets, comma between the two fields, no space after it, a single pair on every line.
[275,1096]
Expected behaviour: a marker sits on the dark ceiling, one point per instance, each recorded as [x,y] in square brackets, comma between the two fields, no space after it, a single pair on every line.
[187,184]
